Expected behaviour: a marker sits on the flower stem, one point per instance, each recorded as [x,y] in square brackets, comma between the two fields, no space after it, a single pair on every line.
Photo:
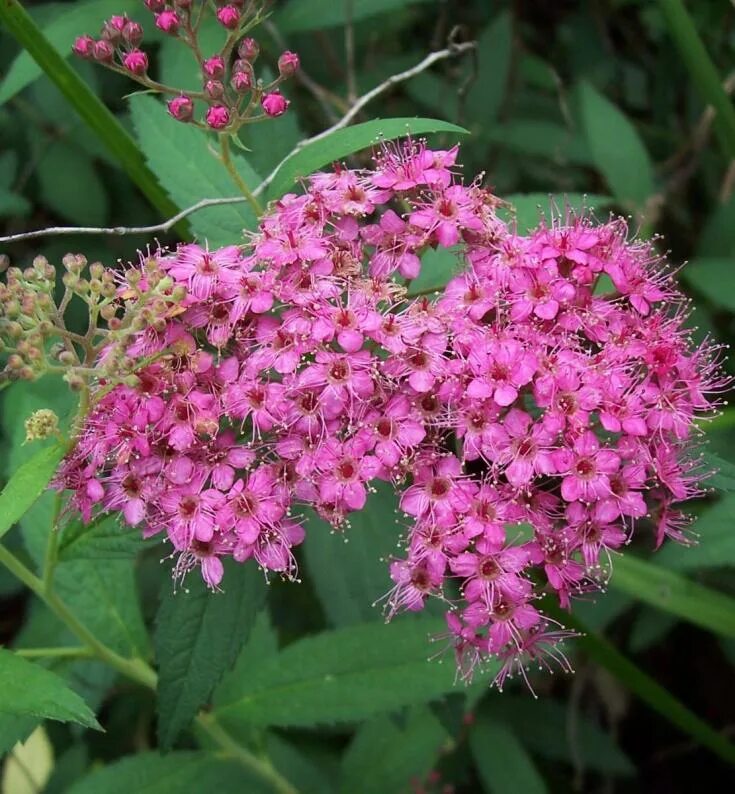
[80,652]
[226,160]
[52,546]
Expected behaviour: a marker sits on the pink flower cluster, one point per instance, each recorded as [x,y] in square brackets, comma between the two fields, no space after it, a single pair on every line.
[529,419]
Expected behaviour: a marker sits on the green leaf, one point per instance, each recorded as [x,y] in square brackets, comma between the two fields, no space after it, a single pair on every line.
[297,766]
[303,15]
[15,729]
[438,266]
[494,50]
[650,627]
[85,17]
[86,103]
[540,139]
[713,278]
[616,148]
[343,675]
[349,571]
[13,205]
[181,772]
[530,209]
[503,763]
[105,538]
[388,752]
[673,593]
[550,731]
[31,690]
[348,141]
[61,169]
[723,478]
[198,636]
[189,171]
[28,482]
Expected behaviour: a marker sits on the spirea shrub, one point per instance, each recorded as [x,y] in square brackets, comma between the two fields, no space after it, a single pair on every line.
[532,415]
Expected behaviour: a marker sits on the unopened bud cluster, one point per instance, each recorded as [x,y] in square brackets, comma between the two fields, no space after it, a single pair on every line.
[232,93]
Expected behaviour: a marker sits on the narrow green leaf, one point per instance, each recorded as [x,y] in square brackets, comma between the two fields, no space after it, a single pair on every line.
[87,104]
[28,482]
[643,686]
[488,89]
[303,15]
[198,636]
[105,538]
[528,210]
[503,763]
[181,772]
[616,148]
[31,690]
[712,278]
[673,593]
[387,753]
[189,171]
[348,141]
[343,675]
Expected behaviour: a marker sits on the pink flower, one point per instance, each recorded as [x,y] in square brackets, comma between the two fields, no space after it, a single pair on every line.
[168,21]
[218,117]
[274,103]
[229,16]
[181,108]
[136,62]
[586,469]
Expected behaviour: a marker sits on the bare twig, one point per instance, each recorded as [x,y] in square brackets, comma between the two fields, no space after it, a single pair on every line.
[429,60]
[122,230]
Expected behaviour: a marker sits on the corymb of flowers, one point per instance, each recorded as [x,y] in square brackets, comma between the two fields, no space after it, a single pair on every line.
[532,414]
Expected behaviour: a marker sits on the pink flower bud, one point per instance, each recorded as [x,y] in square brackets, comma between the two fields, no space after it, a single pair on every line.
[168,21]
[214,67]
[112,28]
[155,5]
[103,51]
[248,49]
[241,81]
[218,117]
[214,89]
[181,108]
[288,63]
[83,47]
[229,17]
[274,104]
[132,33]
[136,61]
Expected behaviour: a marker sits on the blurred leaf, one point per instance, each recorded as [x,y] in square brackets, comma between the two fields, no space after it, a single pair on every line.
[13,205]
[723,478]
[14,729]
[434,92]
[438,266]
[198,636]
[180,157]
[530,209]
[540,139]
[180,772]
[343,675]
[488,89]
[649,628]
[718,236]
[29,689]
[303,15]
[349,571]
[105,538]
[714,278]
[81,17]
[616,148]
[556,731]
[673,593]
[387,753]
[28,768]
[348,141]
[297,767]
[504,765]
[27,483]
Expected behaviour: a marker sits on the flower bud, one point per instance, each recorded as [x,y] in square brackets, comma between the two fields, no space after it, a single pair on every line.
[112,29]
[83,47]
[214,89]
[136,62]
[241,81]
[103,51]
[155,5]
[96,270]
[132,33]
[274,104]
[228,16]
[4,262]
[181,108]
[248,49]
[214,67]
[288,63]
[218,117]
[168,21]
[41,424]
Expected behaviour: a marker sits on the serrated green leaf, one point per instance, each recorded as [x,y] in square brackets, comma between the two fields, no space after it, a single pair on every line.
[199,634]
[303,15]
[28,482]
[344,675]
[348,141]
[349,571]
[187,169]
[502,761]
[14,729]
[106,538]
[616,148]
[528,210]
[713,278]
[673,593]
[387,753]
[181,772]
[31,690]
[488,89]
